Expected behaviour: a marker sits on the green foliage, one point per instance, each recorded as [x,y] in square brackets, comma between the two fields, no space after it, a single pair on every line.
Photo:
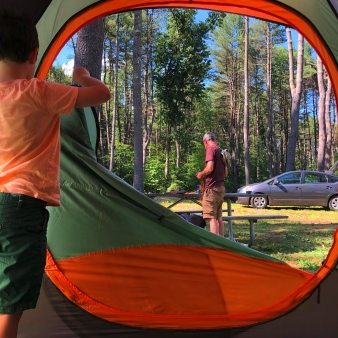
[124,162]
[154,180]
[181,64]
[57,74]
[186,175]
[182,178]
[310,68]
[280,68]
[215,19]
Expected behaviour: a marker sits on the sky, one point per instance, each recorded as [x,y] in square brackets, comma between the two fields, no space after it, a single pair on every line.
[63,56]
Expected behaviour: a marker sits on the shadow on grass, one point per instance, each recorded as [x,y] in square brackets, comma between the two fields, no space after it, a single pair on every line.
[286,208]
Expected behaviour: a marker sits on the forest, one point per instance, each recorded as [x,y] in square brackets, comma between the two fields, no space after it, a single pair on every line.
[259,86]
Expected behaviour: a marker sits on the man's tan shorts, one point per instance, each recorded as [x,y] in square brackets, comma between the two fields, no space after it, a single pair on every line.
[212,202]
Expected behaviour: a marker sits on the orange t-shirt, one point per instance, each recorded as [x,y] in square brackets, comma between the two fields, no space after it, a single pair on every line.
[30,136]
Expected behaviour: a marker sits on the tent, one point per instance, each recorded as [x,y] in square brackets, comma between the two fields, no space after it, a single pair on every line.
[120,265]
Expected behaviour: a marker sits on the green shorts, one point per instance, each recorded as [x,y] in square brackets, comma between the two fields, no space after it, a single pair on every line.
[212,202]
[23,223]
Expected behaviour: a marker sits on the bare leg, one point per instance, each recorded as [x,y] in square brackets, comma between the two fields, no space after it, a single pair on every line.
[220,226]
[214,227]
[9,325]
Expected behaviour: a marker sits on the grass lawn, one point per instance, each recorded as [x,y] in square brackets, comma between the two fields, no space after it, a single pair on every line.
[303,240]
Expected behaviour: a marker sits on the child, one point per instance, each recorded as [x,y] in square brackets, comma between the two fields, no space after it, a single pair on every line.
[29,163]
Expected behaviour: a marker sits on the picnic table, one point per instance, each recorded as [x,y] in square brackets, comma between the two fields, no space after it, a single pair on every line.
[179,198]
[228,197]
[252,219]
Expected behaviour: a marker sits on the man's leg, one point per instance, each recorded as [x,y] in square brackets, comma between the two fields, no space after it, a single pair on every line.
[9,325]
[212,206]
[220,226]
[214,226]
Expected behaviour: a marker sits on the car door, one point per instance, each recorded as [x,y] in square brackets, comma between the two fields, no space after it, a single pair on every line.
[286,190]
[316,189]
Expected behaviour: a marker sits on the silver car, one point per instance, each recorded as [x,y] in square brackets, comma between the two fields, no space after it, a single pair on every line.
[294,188]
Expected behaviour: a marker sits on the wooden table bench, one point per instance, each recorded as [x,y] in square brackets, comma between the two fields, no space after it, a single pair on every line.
[199,211]
[252,219]
[187,211]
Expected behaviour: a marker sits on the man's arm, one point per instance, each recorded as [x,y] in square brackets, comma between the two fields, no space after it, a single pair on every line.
[93,92]
[226,173]
[206,171]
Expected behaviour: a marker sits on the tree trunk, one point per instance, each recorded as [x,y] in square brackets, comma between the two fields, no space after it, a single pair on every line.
[102,117]
[178,153]
[115,105]
[127,99]
[137,103]
[321,117]
[102,139]
[269,129]
[167,155]
[315,119]
[246,105]
[148,88]
[328,129]
[296,95]
[89,47]
[233,123]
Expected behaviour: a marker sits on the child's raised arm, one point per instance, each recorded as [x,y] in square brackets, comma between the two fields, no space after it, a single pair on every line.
[93,92]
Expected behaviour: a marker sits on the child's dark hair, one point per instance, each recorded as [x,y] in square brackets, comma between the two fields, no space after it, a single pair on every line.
[18,37]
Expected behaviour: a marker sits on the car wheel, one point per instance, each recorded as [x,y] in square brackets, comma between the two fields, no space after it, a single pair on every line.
[333,203]
[259,202]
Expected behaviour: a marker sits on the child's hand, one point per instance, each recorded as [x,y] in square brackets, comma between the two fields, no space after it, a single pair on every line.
[93,92]
[79,73]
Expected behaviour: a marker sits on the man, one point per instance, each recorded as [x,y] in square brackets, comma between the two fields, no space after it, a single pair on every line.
[214,174]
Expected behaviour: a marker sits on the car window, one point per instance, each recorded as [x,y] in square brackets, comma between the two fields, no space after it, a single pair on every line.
[315,178]
[333,179]
[292,178]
